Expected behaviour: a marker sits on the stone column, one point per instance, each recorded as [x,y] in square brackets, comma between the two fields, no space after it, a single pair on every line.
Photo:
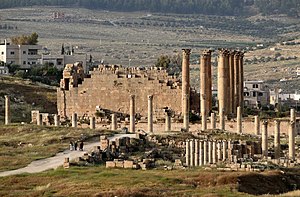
[201,153]
[196,152]
[257,125]
[214,151]
[239,120]
[222,120]
[292,140]
[187,153]
[206,82]
[229,150]
[241,81]
[219,147]
[7,110]
[192,153]
[150,113]
[210,152]
[92,122]
[132,113]
[209,82]
[213,120]
[168,122]
[293,118]
[74,120]
[205,156]
[231,81]
[224,150]
[236,81]
[222,81]
[264,140]
[56,120]
[114,125]
[203,113]
[39,119]
[186,118]
[277,139]
[186,87]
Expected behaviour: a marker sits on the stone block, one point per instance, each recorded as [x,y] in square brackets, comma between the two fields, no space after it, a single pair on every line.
[110,164]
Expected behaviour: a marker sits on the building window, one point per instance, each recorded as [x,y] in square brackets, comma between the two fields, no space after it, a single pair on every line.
[24,62]
[255,85]
[260,94]
[2,53]
[246,94]
[33,62]
[12,52]
[254,94]
[24,52]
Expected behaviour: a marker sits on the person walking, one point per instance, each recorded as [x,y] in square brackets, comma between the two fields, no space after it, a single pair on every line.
[75,145]
[81,146]
[71,146]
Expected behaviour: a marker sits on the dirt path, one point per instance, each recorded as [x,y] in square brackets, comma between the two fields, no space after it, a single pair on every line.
[58,159]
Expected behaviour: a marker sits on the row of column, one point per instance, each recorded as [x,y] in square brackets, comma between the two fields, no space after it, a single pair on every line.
[204,152]
[230,81]
[277,146]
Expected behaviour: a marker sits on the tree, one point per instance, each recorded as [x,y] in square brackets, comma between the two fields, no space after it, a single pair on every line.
[26,40]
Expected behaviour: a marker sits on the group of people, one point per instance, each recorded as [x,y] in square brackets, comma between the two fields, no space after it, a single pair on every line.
[74,145]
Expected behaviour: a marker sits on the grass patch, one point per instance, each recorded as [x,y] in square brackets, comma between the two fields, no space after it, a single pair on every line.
[20,145]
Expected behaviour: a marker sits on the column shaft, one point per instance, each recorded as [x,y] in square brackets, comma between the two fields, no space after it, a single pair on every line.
[114,125]
[7,110]
[56,120]
[150,113]
[213,120]
[205,156]
[264,140]
[222,81]
[192,153]
[168,122]
[92,122]
[257,125]
[196,153]
[236,81]
[132,113]
[292,140]
[239,120]
[277,139]
[74,120]
[186,87]
[187,153]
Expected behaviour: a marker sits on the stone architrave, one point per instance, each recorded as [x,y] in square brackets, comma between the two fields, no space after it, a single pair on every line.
[150,113]
[277,147]
[56,120]
[186,87]
[264,140]
[114,124]
[168,122]
[132,113]
[222,120]
[213,120]
[239,120]
[187,153]
[196,152]
[257,125]
[192,152]
[292,140]
[205,155]
[201,153]
[92,122]
[74,120]
[7,110]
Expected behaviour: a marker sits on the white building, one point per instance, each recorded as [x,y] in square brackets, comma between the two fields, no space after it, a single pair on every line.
[23,55]
[255,94]
[4,70]
[59,61]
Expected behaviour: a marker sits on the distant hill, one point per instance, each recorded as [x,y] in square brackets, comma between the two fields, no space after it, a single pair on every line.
[213,7]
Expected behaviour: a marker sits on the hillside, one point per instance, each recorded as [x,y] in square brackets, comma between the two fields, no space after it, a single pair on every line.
[26,96]
[211,7]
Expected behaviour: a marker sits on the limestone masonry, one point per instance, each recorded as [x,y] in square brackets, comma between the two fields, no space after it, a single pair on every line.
[110,87]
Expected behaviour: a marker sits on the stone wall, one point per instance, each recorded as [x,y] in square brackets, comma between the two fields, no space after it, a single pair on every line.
[110,87]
